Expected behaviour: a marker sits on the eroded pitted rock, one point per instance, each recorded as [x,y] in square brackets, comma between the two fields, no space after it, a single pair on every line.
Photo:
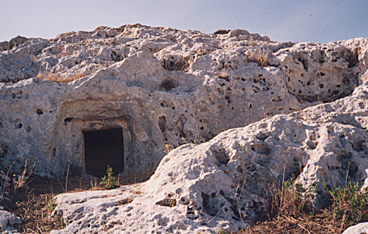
[315,72]
[226,182]
[163,87]
[16,41]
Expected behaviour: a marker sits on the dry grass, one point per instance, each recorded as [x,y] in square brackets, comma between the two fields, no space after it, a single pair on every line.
[289,212]
[179,63]
[57,78]
[259,56]
[34,202]
[317,224]
[21,180]
[31,203]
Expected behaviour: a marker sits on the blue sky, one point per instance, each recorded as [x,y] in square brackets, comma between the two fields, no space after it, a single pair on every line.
[281,20]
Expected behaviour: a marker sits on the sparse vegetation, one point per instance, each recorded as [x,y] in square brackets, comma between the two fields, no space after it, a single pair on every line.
[259,56]
[34,202]
[289,208]
[195,141]
[52,205]
[349,204]
[109,181]
[173,63]
[222,231]
[290,211]
[55,78]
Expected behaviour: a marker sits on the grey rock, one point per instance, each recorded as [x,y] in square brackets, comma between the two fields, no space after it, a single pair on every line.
[16,41]
[225,182]
[7,220]
[359,228]
[162,87]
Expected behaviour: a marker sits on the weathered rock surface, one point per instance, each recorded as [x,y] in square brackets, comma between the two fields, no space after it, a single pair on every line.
[7,220]
[357,229]
[163,87]
[224,182]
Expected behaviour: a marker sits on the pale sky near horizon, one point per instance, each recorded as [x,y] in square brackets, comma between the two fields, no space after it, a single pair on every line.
[281,20]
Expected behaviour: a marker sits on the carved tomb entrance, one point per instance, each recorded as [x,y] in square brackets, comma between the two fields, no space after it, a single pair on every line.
[103,148]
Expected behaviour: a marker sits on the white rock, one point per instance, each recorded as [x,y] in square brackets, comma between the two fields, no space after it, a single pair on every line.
[359,228]
[224,182]
[159,85]
[7,220]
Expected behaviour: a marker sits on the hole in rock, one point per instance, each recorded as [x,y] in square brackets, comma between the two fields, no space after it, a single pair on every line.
[162,123]
[68,120]
[221,31]
[168,84]
[39,111]
[170,202]
[358,145]
[103,148]
[261,148]
[221,156]
[210,205]
[262,136]
[124,201]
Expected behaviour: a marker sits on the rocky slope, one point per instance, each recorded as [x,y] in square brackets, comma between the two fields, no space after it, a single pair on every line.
[303,106]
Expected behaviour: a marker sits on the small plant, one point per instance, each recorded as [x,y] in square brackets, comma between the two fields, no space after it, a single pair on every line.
[109,181]
[19,181]
[173,63]
[222,231]
[55,78]
[259,56]
[52,205]
[195,141]
[350,205]
[167,146]
[292,200]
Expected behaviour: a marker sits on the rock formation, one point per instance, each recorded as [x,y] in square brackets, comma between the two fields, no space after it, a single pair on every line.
[358,228]
[225,182]
[293,110]
[162,87]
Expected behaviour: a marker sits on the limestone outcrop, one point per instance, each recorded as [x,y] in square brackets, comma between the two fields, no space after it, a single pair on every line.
[162,87]
[225,182]
[358,228]
[7,221]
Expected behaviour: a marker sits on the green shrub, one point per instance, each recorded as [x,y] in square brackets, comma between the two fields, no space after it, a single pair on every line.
[109,181]
[349,204]
[222,231]
[52,205]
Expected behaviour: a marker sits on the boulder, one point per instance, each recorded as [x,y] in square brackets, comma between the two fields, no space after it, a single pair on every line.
[357,229]
[225,182]
[16,41]
[7,220]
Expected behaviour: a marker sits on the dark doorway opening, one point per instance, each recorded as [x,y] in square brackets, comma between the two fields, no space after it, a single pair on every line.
[103,148]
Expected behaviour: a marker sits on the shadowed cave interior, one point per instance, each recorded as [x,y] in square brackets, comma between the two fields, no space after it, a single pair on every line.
[103,148]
